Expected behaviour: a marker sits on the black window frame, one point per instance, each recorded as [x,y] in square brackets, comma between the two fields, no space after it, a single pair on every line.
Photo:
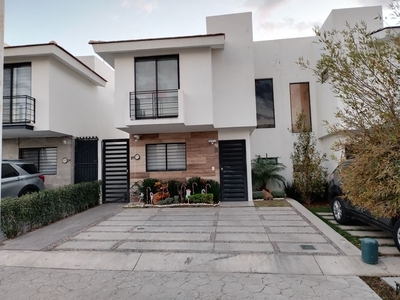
[273,102]
[12,66]
[38,149]
[155,59]
[166,158]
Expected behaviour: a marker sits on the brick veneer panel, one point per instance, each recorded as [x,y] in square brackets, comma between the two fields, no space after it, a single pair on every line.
[201,156]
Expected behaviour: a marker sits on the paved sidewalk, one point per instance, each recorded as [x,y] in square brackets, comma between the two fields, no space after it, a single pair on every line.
[30,283]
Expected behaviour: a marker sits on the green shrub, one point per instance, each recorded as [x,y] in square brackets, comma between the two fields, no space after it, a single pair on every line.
[258,195]
[278,194]
[167,201]
[176,199]
[197,187]
[40,209]
[148,183]
[214,189]
[173,187]
[201,198]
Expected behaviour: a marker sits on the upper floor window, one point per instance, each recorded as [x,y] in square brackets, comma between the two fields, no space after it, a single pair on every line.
[17,80]
[156,87]
[158,73]
[265,103]
[18,106]
[300,103]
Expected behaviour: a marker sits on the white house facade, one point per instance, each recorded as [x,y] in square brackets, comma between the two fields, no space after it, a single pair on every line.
[51,99]
[206,105]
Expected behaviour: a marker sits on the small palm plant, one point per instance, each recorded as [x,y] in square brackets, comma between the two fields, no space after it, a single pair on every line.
[264,171]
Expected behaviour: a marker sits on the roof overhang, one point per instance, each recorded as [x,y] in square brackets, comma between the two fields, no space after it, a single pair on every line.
[108,50]
[53,50]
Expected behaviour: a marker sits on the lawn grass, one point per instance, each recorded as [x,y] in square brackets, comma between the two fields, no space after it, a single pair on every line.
[272,203]
[381,288]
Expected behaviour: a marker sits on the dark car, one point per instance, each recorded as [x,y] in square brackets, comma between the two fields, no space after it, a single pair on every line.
[343,211]
[19,177]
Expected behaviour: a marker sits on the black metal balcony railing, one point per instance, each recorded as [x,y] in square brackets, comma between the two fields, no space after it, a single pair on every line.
[19,109]
[154,104]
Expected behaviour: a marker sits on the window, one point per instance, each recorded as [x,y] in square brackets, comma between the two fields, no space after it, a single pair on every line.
[300,103]
[7,171]
[166,157]
[156,87]
[265,103]
[272,160]
[44,158]
[17,86]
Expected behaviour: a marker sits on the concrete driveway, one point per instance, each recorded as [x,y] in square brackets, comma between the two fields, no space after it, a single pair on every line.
[235,243]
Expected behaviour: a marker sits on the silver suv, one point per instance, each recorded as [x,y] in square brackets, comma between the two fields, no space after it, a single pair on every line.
[20,177]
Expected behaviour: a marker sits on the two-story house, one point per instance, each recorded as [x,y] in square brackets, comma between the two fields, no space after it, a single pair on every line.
[56,109]
[188,103]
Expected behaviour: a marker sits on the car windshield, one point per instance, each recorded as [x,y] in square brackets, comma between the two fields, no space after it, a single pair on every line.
[29,168]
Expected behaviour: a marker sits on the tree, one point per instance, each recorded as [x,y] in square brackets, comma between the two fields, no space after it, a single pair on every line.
[363,70]
[309,176]
[264,171]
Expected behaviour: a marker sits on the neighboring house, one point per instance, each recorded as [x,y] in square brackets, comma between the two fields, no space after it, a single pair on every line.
[56,110]
[206,105]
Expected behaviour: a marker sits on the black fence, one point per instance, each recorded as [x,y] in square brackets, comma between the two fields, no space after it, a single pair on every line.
[154,104]
[19,109]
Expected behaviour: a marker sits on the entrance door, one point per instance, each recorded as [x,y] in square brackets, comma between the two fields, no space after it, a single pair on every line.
[86,159]
[115,175]
[233,175]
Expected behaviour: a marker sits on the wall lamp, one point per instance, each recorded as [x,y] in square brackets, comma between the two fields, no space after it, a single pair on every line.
[212,142]
[136,137]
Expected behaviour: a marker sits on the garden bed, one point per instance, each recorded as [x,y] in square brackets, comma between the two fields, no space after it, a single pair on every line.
[132,205]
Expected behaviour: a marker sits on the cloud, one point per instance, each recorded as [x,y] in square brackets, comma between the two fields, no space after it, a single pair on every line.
[269,29]
[264,8]
[144,5]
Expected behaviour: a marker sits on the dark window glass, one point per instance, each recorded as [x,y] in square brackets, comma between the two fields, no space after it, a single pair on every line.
[265,103]
[44,158]
[166,157]
[7,171]
[16,83]
[29,168]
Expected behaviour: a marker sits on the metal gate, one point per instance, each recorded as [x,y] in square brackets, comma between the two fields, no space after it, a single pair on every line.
[115,171]
[86,159]
[233,175]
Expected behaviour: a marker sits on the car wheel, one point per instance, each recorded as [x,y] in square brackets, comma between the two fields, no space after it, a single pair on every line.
[396,234]
[340,212]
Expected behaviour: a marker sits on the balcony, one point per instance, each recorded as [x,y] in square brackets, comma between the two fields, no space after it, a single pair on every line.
[18,111]
[154,104]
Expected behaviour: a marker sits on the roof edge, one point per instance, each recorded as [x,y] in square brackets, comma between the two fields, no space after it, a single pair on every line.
[92,42]
[52,43]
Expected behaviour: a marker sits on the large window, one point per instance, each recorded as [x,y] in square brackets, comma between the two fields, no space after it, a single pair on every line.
[265,103]
[16,89]
[300,103]
[156,87]
[44,158]
[166,157]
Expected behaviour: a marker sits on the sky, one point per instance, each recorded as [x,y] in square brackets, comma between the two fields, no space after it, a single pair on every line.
[72,23]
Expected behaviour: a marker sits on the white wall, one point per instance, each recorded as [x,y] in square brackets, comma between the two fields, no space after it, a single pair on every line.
[232,72]
[327,103]
[195,77]
[277,60]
